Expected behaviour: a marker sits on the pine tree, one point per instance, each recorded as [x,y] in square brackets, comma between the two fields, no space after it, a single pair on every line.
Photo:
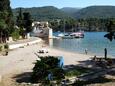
[5,20]
[27,22]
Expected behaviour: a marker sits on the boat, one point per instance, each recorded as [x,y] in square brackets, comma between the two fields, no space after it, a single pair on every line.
[65,36]
[77,34]
[60,34]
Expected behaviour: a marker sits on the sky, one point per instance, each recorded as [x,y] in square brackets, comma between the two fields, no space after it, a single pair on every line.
[59,3]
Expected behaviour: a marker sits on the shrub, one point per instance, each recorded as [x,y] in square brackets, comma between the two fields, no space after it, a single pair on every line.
[0,48]
[6,46]
[15,35]
[47,69]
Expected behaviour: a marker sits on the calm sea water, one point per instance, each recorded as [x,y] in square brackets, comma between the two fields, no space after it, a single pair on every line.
[94,42]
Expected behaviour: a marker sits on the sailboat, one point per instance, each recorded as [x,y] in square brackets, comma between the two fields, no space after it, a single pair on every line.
[78,34]
[65,35]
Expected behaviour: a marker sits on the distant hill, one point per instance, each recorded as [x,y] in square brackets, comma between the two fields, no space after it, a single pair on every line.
[69,10]
[50,12]
[96,12]
[43,13]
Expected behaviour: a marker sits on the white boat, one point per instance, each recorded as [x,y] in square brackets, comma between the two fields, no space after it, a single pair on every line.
[60,35]
[65,36]
[77,34]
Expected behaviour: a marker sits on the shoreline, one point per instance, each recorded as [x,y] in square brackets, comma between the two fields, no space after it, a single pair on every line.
[89,53]
[21,60]
[70,58]
[31,49]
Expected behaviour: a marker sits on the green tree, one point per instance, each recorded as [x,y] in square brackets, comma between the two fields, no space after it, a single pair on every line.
[3,27]
[45,66]
[111,30]
[27,22]
[6,22]
[19,20]
[15,34]
[24,22]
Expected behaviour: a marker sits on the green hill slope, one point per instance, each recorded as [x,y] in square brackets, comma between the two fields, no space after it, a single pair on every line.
[69,10]
[96,12]
[43,13]
[50,12]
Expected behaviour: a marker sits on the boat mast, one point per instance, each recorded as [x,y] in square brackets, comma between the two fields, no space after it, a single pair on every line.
[64,26]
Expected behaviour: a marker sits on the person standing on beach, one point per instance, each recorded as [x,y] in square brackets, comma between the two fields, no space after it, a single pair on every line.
[105,53]
[86,51]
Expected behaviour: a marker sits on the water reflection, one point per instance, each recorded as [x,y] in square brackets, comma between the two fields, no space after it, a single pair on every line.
[93,41]
[50,42]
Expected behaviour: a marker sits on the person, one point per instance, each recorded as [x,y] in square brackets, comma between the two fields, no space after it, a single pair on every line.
[6,53]
[105,53]
[86,51]
[94,58]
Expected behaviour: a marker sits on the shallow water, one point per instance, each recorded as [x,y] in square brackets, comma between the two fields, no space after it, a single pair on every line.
[94,42]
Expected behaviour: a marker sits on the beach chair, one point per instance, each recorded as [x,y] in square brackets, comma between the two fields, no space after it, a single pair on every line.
[43,50]
[40,51]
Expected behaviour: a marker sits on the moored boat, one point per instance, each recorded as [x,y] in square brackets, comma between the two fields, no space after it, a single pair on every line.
[77,34]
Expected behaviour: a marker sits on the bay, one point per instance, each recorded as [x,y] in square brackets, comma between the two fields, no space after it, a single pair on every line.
[94,42]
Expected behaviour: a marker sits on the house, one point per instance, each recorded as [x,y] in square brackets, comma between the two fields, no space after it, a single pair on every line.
[41,29]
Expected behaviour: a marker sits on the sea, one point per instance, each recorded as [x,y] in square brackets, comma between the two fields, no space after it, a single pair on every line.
[93,42]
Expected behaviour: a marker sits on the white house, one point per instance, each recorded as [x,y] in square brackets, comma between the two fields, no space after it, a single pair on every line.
[41,29]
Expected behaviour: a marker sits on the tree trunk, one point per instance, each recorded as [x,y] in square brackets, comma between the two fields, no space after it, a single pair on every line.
[0,36]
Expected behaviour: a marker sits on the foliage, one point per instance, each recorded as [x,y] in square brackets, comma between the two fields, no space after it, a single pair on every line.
[24,22]
[22,32]
[96,12]
[60,24]
[15,34]
[27,21]
[70,10]
[19,20]
[3,25]
[93,18]
[45,66]
[5,20]
[50,12]
[43,13]
[111,30]
[1,47]
[76,71]
[6,46]
[99,80]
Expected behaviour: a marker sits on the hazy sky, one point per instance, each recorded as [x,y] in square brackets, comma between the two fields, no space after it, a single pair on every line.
[60,3]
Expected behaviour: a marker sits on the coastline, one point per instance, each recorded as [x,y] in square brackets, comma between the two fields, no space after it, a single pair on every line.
[21,60]
[70,58]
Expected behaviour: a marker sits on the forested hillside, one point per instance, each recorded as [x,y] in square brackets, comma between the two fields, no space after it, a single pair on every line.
[96,12]
[93,18]
[43,13]
[71,11]
[50,12]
